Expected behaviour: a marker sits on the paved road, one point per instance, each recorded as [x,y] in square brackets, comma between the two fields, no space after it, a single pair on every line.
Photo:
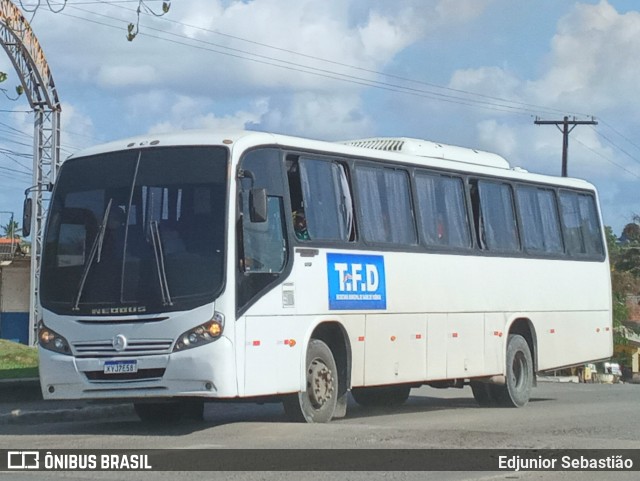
[560,416]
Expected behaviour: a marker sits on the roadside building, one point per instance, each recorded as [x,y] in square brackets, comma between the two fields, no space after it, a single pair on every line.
[14,292]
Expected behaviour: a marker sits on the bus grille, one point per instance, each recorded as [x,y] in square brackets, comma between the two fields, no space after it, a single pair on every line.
[137,347]
[141,375]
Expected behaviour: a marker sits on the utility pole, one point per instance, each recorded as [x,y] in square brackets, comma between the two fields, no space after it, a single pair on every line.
[565,134]
[26,55]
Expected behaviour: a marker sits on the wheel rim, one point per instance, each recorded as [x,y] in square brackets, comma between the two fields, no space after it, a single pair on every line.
[518,370]
[320,383]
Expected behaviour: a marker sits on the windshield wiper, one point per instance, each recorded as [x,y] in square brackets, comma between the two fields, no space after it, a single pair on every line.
[96,247]
[159,256]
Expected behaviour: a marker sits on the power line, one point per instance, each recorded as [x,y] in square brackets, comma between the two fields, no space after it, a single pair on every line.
[599,154]
[10,154]
[491,103]
[15,171]
[523,105]
[617,147]
[618,133]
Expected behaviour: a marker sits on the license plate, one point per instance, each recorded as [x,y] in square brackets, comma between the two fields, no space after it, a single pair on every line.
[119,367]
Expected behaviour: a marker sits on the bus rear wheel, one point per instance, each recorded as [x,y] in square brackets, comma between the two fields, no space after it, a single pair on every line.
[519,376]
[317,403]
[381,396]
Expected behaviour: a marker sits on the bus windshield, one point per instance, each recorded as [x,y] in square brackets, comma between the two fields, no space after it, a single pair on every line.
[138,231]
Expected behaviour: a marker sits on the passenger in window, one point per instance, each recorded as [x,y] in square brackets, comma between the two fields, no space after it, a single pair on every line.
[300,225]
[440,230]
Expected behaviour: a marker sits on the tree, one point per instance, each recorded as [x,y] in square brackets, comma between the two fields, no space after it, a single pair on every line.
[631,232]
[626,256]
[624,259]
[11,229]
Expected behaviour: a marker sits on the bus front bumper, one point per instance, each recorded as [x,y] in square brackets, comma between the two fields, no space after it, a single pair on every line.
[205,371]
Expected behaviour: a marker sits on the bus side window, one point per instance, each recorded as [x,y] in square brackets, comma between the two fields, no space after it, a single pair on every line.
[385,204]
[442,210]
[541,232]
[264,242]
[581,225]
[262,247]
[320,200]
[495,216]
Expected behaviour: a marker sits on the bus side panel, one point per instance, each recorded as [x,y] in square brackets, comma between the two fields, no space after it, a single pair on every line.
[395,348]
[273,354]
[495,339]
[569,338]
[275,351]
[465,345]
[436,346]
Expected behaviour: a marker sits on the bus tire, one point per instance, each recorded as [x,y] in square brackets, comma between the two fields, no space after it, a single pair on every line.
[381,396]
[483,393]
[519,374]
[317,403]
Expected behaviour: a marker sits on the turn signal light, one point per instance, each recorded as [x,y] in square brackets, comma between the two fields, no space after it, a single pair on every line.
[51,340]
[201,335]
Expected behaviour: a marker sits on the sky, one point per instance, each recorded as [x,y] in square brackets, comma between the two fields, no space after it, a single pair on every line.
[474,73]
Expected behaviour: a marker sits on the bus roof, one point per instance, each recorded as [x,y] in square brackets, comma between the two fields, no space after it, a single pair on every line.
[427,148]
[401,149]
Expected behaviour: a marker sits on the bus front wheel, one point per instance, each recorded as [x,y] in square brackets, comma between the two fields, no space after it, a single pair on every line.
[519,374]
[317,403]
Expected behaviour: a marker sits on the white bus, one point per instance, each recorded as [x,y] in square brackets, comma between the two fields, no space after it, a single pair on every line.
[201,265]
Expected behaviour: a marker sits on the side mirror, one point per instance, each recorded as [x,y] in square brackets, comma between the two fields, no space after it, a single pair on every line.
[258,205]
[26,216]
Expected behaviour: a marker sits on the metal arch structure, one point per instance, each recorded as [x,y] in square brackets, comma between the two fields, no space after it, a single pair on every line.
[27,56]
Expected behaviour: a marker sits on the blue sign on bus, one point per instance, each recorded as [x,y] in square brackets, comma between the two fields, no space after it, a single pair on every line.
[356,281]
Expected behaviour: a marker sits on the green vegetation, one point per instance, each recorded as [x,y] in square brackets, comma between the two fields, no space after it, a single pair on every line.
[625,281]
[17,360]
[11,228]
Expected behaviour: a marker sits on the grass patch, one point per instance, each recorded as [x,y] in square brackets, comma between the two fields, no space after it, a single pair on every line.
[17,360]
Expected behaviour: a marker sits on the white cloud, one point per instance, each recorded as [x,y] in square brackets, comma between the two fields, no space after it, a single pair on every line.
[382,36]
[187,113]
[589,66]
[503,138]
[588,69]
[460,10]
[143,79]
[222,63]
[499,82]
[77,129]
[118,76]
[331,117]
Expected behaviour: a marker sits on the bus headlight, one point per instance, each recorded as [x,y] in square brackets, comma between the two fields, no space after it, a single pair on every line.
[202,334]
[51,340]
